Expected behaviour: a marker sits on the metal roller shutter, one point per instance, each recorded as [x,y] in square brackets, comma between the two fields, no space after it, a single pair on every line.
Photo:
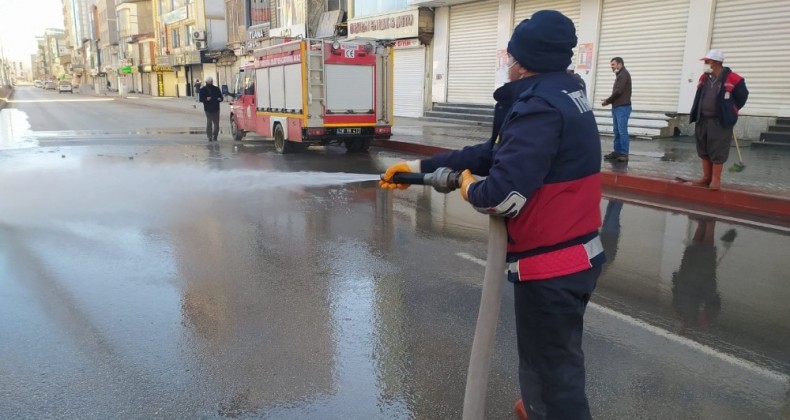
[650,37]
[754,41]
[525,9]
[409,86]
[472,52]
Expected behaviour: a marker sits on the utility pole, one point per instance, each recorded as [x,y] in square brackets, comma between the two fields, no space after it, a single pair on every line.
[3,71]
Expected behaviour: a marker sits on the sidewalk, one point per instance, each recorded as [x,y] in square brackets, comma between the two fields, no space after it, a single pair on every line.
[762,188]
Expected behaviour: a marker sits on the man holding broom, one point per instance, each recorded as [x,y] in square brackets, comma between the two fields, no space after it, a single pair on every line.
[721,93]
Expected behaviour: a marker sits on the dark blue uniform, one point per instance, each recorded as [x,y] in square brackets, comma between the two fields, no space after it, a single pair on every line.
[543,175]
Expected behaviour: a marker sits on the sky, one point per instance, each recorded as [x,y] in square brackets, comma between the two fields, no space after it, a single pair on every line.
[22,20]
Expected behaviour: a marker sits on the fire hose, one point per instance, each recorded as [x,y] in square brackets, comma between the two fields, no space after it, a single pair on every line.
[445,180]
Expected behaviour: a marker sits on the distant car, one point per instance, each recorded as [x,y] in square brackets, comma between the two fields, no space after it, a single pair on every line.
[65,86]
[38,84]
[50,85]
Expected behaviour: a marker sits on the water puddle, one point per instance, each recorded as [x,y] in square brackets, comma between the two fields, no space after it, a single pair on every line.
[15,132]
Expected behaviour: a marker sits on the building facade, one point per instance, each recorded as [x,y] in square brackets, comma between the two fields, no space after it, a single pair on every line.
[662,54]
[136,36]
[191,36]
[411,31]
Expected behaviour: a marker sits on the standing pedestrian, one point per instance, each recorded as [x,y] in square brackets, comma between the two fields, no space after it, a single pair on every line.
[211,97]
[542,166]
[620,100]
[196,90]
[721,93]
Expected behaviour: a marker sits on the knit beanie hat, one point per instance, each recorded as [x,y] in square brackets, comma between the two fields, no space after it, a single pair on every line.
[544,42]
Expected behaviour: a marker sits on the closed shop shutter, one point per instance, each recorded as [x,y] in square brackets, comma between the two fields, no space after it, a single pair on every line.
[472,53]
[755,40]
[525,8]
[409,82]
[650,36]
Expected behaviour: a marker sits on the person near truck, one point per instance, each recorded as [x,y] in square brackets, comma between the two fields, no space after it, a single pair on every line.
[620,100]
[211,96]
[721,93]
[542,167]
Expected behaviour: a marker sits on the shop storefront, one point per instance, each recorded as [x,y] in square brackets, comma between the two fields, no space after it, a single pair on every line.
[411,30]
[753,40]
[472,55]
[651,50]
[163,78]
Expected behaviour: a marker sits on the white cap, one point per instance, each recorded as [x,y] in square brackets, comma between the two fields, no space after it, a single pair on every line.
[715,55]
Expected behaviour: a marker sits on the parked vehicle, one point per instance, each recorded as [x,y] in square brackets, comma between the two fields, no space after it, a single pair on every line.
[50,85]
[315,92]
[65,86]
[38,84]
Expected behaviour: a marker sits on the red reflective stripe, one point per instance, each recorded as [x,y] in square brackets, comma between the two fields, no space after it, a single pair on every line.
[561,262]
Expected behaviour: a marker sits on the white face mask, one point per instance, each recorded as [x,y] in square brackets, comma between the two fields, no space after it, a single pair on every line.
[707,68]
[505,71]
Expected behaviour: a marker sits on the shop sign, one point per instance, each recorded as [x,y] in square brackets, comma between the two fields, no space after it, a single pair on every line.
[386,26]
[126,70]
[160,84]
[406,43]
[175,16]
[289,31]
[258,31]
[162,69]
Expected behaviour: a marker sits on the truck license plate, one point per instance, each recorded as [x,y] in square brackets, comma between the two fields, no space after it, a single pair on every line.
[349,131]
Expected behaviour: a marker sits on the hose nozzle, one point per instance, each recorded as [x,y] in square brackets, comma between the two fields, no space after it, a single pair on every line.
[442,180]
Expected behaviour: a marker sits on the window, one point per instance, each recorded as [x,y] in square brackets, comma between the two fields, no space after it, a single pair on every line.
[260,12]
[188,37]
[333,5]
[175,37]
[373,7]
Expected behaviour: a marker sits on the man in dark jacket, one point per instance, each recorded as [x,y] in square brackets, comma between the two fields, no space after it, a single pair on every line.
[620,100]
[211,96]
[721,93]
[542,165]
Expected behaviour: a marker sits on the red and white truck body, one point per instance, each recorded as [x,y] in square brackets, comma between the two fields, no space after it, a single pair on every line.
[313,91]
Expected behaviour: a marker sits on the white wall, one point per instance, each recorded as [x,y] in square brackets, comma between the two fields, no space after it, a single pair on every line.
[440,45]
[504,32]
[215,8]
[698,34]
[217,34]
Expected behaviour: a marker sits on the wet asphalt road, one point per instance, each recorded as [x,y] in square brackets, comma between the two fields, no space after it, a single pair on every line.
[146,274]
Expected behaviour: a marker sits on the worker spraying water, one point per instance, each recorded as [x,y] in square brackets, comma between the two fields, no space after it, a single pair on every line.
[541,168]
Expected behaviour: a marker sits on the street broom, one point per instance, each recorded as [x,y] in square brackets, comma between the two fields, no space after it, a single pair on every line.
[738,166]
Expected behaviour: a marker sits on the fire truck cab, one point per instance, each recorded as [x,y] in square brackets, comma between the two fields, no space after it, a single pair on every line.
[304,92]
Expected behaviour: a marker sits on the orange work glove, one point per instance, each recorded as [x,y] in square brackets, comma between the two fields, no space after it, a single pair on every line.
[467,179]
[408,166]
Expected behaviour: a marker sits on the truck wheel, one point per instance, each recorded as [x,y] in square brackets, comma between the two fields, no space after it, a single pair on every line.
[282,145]
[357,145]
[235,131]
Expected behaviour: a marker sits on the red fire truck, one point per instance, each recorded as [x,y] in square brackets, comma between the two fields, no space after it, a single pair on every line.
[306,92]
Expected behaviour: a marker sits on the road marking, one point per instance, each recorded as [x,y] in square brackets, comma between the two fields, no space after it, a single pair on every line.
[471,258]
[707,350]
[28,101]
